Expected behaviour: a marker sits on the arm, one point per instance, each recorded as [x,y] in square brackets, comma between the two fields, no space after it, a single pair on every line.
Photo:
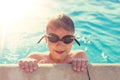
[36,56]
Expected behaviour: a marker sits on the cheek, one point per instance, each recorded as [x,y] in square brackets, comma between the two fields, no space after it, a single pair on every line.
[68,47]
[51,46]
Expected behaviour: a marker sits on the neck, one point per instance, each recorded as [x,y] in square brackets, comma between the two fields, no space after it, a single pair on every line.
[54,59]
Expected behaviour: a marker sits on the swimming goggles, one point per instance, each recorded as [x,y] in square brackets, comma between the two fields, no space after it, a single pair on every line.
[54,38]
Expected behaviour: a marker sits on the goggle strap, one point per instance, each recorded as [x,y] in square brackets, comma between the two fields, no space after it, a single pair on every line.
[40,39]
[43,37]
[77,42]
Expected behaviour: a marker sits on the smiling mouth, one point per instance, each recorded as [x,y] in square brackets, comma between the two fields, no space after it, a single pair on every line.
[59,52]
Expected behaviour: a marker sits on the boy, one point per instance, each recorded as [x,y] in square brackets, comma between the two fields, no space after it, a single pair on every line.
[59,38]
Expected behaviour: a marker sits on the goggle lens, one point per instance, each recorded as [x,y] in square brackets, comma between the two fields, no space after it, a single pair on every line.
[66,39]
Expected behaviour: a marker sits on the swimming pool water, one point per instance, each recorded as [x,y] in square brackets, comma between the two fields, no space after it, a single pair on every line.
[97,26]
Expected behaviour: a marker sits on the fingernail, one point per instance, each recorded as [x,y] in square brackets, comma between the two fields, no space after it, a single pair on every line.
[23,67]
[74,68]
[27,70]
[35,68]
[78,70]
[82,69]
[30,70]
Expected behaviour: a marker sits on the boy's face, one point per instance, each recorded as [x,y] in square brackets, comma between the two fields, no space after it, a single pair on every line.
[59,49]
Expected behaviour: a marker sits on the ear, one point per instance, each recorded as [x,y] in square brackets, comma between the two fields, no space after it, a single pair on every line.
[74,38]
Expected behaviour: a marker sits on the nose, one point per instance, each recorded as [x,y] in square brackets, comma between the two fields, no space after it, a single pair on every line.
[60,43]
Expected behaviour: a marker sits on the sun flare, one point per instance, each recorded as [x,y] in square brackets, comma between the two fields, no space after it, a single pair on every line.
[22,16]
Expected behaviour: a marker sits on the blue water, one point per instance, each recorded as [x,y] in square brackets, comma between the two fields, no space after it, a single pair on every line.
[97,26]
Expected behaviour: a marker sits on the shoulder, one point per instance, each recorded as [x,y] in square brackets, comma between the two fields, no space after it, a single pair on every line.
[79,53]
[37,55]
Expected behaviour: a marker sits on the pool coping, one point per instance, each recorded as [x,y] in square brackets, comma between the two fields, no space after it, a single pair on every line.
[61,72]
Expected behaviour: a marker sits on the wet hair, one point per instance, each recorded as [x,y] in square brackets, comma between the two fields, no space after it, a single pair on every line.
[61,21]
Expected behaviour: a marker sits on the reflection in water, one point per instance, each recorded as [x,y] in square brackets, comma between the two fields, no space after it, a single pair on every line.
[23,22]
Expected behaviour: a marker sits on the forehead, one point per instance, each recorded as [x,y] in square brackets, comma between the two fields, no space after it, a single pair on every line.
[59,31]
[59,24]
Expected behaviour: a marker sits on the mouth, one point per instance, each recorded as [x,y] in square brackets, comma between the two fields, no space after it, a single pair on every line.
[59,52]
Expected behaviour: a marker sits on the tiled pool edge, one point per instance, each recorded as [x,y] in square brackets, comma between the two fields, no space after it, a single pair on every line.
[61,72]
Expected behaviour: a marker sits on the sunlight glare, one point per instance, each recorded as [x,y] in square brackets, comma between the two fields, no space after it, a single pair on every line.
[18,16]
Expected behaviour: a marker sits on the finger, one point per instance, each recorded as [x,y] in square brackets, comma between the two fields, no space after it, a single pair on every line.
[78,65]
[74,63]
[26,66]
[86,64]
[82,65]
[42,61]
[21,64]
[35,65]
[30,65]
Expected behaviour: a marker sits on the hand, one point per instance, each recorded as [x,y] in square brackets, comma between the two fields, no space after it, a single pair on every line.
[28,65]
[79,64]
[42,61]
